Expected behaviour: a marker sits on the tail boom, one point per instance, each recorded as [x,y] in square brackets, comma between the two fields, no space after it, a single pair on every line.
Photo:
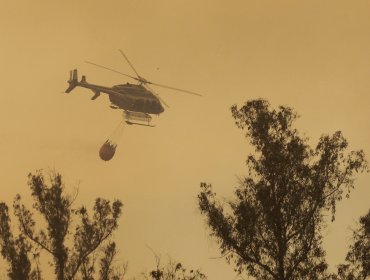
[96,89]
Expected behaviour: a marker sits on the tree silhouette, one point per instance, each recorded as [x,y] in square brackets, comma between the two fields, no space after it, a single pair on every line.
[172,270]
[88,237]
[15,250]
[272,227]
[357,266]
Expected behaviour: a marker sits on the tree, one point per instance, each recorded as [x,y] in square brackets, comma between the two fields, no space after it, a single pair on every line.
[172,270]
[357,266]
[272,227]
[89,236]
[15,250]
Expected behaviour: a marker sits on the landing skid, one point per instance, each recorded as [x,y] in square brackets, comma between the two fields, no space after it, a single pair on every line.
[137,118]
[142,124]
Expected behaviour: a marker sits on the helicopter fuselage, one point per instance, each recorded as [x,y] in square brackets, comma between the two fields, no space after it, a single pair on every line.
[135,98]
[128,97]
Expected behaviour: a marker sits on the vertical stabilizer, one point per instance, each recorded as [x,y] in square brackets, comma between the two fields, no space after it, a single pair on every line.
[72,80]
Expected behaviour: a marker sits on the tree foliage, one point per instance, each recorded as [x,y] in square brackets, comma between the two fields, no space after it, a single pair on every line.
[271,229]
[74,251]
[15,250]
[357,265]
[173,270]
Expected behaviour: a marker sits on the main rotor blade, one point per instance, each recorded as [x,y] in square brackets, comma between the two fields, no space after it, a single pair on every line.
[178,89]
[157,95]
[128,61]
[110,69]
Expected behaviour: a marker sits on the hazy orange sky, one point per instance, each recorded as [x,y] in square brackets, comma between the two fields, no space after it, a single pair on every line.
[311,55]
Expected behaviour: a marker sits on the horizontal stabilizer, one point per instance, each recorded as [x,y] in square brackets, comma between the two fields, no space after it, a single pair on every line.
[96,93]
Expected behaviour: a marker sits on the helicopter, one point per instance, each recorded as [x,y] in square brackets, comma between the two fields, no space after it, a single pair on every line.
[138,101]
